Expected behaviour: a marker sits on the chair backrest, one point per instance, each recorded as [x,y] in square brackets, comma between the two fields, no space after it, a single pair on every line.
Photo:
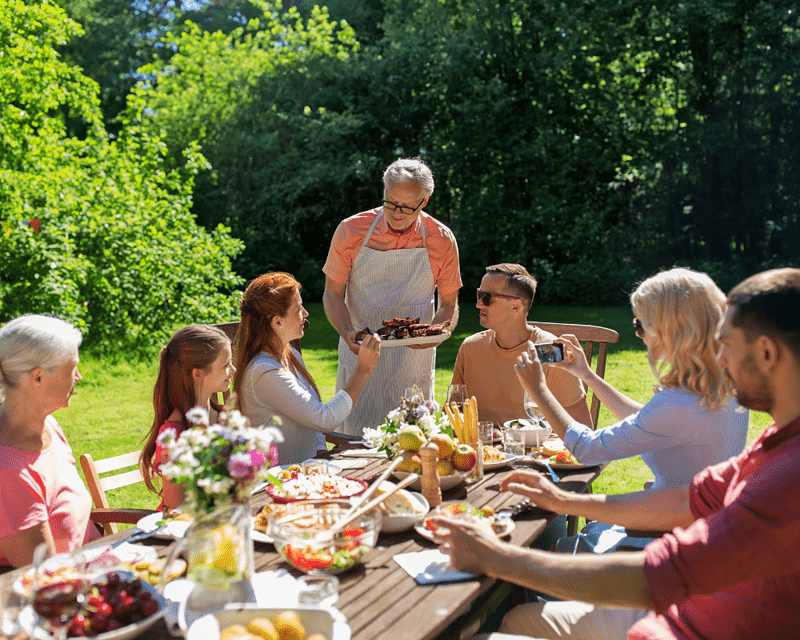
[98,486]
[588,334]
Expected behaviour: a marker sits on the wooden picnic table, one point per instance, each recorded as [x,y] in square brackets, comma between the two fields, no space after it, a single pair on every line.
[378,598]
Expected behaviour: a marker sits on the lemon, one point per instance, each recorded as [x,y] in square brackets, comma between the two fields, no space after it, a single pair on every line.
[226,558]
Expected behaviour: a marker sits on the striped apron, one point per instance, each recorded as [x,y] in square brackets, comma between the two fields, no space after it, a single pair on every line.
[385,285]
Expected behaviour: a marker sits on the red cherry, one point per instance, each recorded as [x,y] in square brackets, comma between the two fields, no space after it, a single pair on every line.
[149,607]
[98,622]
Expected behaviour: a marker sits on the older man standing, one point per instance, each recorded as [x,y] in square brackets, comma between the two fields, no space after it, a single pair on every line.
[387,263]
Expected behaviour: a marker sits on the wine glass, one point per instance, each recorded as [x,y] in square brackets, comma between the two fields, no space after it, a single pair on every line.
[60,585]
[414,395]
[457,393]
[531,408]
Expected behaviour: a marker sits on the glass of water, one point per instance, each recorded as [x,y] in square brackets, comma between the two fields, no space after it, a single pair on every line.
[318,589]
[514,445]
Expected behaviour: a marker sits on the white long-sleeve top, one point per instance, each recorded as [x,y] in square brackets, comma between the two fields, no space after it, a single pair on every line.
[270,389]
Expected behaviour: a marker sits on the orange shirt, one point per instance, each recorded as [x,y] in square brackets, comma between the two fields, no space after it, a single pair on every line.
[441,243]
[488,372]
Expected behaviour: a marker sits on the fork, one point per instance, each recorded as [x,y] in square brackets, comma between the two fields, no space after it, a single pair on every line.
[553,475]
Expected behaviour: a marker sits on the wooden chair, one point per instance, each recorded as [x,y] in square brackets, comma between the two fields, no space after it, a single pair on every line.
[103,514]
[587,334]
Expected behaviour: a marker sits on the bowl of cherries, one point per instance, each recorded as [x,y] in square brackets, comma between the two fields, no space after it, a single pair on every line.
[118,606]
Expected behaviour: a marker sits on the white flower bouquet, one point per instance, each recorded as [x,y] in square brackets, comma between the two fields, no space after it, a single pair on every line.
[412,411]
[218,464]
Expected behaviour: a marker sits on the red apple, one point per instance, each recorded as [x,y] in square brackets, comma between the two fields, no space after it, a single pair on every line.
[464,458]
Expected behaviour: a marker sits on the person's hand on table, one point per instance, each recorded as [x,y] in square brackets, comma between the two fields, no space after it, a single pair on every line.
[539,489]
[471,544]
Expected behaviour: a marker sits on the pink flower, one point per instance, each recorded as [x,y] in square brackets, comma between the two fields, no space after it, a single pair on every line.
[239,466]
[257,458]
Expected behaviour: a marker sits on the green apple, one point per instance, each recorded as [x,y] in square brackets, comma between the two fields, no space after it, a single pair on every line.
[444,467]
[411,438]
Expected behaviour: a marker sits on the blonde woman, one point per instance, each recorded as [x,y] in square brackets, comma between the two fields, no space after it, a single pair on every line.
[692,421]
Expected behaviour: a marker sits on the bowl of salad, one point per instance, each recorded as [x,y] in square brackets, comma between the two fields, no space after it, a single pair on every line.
[302,535]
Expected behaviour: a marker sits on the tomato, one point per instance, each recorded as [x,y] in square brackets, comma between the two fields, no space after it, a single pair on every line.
[308,558]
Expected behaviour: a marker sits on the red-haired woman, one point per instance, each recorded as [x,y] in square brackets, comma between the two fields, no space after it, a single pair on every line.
[272,379]
[195,364]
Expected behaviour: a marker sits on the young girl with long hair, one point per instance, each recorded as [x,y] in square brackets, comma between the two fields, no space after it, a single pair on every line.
[271,378]
[195,364]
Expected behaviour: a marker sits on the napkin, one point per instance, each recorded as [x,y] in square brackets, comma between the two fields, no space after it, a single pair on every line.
[345,465]
[363,453]
[431,567]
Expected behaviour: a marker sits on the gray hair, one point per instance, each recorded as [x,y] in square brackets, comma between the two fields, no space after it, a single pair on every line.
[34,341]
[407,170]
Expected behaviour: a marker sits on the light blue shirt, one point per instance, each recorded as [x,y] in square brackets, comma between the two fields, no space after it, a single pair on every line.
[675,433]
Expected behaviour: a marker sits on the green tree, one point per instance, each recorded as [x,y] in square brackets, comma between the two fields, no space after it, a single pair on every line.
[118,252]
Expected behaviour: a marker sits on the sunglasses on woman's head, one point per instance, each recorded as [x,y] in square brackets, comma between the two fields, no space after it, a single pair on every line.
[485,298]
[638,329]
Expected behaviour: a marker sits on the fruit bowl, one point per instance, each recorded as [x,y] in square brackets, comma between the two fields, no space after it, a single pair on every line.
[136,621]
[302,536]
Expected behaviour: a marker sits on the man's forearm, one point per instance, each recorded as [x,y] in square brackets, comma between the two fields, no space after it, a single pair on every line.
[614,579]
[654,510]
[338,313]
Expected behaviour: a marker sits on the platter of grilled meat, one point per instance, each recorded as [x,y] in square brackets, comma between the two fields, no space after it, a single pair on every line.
[402,332]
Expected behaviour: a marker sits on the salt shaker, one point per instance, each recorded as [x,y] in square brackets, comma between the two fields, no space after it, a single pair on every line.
[431,489]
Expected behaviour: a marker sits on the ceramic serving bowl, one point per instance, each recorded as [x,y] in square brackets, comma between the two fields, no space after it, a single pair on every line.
[535,432]
[396,523]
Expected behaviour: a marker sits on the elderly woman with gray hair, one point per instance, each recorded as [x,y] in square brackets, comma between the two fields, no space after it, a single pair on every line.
[42,497]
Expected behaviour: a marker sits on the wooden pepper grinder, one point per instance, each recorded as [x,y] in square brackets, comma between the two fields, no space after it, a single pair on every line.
[431,489]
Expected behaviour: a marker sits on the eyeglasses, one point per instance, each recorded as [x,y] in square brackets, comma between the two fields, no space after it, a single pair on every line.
[406,211]
[485,298]
[638,329]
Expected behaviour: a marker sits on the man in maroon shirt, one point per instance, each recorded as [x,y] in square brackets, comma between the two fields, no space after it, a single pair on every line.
[729,568]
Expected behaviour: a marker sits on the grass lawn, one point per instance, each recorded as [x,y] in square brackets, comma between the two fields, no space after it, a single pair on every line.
[112,408]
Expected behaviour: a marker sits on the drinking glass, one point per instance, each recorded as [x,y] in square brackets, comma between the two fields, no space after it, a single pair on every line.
[60,585]
[533,411]
[514,445]
[486,431]
[457,393]
[414,394]
[318,589]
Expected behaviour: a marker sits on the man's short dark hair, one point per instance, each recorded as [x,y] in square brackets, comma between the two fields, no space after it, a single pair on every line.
[768,303]
[518,280]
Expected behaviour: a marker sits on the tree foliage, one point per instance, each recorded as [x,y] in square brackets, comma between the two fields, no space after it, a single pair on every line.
[118,252]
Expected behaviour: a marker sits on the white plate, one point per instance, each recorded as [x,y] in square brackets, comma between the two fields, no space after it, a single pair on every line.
[404,342]
[29,620]
[557,465]
[507,526]
[499,464]
[329,622]
[175,528]
[333,468]
[445,482]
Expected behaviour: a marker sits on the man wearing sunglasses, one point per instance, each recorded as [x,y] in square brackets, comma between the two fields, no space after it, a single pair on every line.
[387,263]
[485,361]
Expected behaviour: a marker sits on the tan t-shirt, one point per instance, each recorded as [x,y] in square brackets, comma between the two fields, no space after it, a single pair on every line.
[488,372]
